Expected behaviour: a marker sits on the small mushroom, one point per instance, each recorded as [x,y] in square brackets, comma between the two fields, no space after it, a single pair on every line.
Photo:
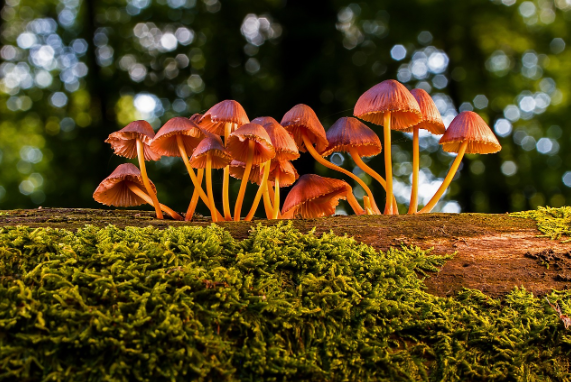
[123,189]
[134,141]
[467,133]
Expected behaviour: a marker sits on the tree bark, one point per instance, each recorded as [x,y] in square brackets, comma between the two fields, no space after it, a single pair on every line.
[493,253]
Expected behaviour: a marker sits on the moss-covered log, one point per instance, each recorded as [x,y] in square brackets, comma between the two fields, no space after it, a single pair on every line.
[493,253]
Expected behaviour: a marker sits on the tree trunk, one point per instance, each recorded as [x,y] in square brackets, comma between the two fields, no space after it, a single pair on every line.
[494,253]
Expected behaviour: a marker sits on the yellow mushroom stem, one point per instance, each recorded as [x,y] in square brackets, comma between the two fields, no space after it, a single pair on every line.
[195,196]
[368,170]
[330,165]
[430,205]
[242,192]
[195,181]
[276,195]
[413,206]
[354,204]
[263,186]
[226,178]
[367,205]
[155,201]
[209,187]
[267,202]
[388,163]
[141,194]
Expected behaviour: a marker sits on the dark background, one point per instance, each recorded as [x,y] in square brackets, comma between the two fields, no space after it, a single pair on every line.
[74,71]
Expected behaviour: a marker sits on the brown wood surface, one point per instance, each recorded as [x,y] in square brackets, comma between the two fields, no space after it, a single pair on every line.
[494,253]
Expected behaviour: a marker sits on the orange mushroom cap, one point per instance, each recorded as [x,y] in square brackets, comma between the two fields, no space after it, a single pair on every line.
[349,132]
[124,141]
[314,196]
[113,190]
[238,143]
[237,169]
[302,118]
[165,142]
[469,126]
[288,173]
[389,96]
[431,118]
[219,156]
[228,111]
[282,141]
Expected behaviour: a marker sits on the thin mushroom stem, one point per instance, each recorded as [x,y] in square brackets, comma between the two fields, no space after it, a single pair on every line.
[195,196]
[354,204]
[268,203]
[367,205]
[271,197]
[141,194]
[388,163]
[155,201]
[242,192]
[413,206]
[368,170]
[430,205]
[195,181]
[276,195]
[263,186]
[226,178]
[330,165]
[209,186]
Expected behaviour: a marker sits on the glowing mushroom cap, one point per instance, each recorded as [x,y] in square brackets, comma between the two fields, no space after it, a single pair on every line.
[349,132]
[228,111]
[388,96]
[237,169]
[314,196]
[113,190]
[238,143]
[469,126]
[124,141]
[283,143]
[302,118]
[219,156]
[431,118]
[287,172]
[165,142]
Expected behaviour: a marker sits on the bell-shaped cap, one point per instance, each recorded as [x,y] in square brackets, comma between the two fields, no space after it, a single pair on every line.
[124,141]
[238,143]
[431,118]
[238,168]
[469,126]
[388,96]
[314,196]
[288,173]
[165,142]
[228,111]
[302,118]
[113,190]
[219,156]
[349,132]
[282,141]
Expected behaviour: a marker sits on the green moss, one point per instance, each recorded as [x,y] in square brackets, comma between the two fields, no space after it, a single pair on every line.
[555,223]
[192,303]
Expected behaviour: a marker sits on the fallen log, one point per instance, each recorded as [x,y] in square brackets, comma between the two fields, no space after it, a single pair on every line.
[493,253]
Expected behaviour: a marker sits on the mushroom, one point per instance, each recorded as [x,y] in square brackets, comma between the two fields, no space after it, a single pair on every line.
[304,126]
[250,143]
[178,138]
[350,135]
[237,169]
[314,196]
[431,121]
[123,189]
[467,133]
[133,141]
[222,119]
[389,104]
[210,153]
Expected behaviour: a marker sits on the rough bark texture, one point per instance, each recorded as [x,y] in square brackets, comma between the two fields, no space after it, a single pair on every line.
[494,253]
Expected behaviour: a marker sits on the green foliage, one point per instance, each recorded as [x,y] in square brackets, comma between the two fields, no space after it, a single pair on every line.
[192,303]
[553,222]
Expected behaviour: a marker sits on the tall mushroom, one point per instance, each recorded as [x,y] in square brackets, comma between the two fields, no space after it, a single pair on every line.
[304,126]
[467,133]
[133,141]
[123,189]
[251,144]
[222,119]
[432,122]
[391,105]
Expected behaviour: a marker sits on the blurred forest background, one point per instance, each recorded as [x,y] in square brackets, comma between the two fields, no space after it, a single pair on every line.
[73,71]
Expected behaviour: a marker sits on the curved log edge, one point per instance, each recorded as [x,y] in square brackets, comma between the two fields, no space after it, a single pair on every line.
[494,253]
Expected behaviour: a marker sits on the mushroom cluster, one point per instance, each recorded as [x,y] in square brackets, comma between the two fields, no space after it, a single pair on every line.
[261,151]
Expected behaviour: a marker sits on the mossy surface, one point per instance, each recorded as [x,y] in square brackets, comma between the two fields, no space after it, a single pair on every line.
[193,303]
[555,223]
